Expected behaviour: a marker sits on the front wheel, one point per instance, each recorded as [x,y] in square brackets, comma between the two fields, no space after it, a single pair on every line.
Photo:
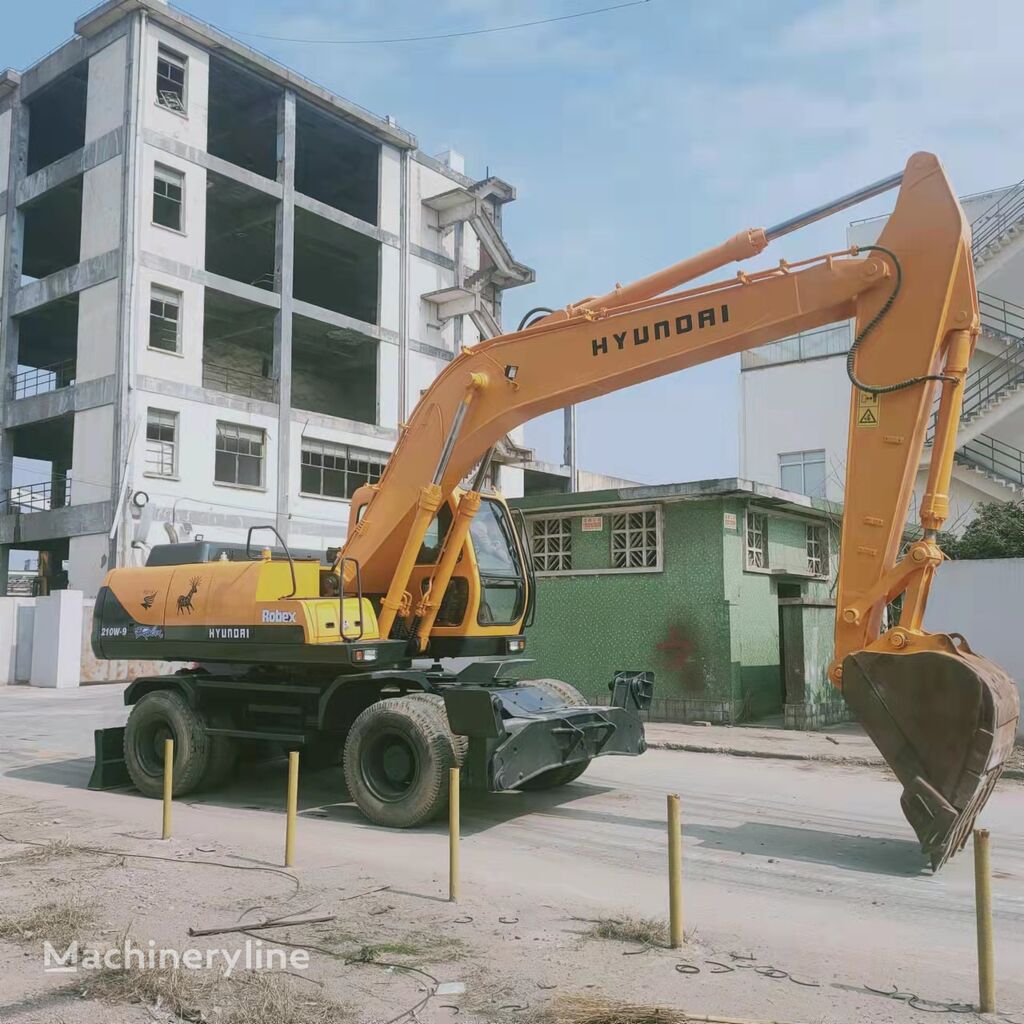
[397,758]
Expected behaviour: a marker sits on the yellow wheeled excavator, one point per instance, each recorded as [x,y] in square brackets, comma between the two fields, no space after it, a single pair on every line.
[321,655]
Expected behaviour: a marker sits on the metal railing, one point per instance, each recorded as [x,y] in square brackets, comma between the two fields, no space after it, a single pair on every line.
[996,457]
[42,497]
[1000,216]
[239,382]
[38,380]
[825,341]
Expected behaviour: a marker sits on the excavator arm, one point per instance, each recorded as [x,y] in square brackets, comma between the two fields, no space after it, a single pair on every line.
[942,716]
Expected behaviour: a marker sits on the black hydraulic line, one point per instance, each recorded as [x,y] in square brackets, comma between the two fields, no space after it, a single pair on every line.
[884,389]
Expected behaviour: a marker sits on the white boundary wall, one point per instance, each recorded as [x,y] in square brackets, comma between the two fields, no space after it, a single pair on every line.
[984,600]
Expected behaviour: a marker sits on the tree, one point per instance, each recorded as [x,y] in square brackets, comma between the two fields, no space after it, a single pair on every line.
[996,532]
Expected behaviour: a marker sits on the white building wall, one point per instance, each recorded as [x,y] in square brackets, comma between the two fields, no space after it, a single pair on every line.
[105,100]
[5,147]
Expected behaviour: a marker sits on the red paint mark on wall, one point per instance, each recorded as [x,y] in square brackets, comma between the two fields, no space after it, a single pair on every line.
[676,650]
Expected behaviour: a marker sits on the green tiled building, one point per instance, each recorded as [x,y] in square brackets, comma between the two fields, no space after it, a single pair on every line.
[724,588]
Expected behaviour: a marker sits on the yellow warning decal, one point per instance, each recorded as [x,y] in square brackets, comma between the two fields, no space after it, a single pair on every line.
[867,409]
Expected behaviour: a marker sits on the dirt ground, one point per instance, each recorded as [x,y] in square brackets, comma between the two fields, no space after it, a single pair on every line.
[384,956]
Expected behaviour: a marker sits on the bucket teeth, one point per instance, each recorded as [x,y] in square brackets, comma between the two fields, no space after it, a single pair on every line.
[946,724]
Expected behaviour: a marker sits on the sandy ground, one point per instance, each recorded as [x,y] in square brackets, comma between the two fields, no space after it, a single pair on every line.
[806,868]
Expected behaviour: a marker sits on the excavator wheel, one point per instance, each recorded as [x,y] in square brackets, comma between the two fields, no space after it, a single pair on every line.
[946,724]
[568,695]
[161,715]
[397,758]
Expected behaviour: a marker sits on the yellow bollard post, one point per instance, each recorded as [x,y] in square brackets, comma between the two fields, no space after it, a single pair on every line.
[983,906]
[453,835]
[293,806]
[168,785]
[675,872]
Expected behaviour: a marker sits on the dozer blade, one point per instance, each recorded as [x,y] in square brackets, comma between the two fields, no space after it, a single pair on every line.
[946,724]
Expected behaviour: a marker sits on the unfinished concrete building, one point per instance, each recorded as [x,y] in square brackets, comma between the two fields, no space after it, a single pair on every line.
[222,288]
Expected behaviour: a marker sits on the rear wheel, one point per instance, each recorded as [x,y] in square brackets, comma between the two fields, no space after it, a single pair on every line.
[397,758]
[158,716]
[566,773]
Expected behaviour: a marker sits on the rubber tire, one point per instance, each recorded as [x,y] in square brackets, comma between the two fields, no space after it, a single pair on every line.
[460,744]
[224,754]
[426,730]
[563,774]
[191,743]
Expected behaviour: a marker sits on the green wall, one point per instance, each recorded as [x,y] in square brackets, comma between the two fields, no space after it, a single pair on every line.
[707,628]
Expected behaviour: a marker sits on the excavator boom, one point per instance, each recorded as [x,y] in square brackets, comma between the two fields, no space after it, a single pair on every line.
[943,717]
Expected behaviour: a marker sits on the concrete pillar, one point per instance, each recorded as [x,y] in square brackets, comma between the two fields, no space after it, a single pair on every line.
[404,252]
[284,259]
[569,446]
[57,640]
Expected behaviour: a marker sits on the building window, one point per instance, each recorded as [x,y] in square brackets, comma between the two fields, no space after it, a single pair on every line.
[551,544]
[240,454]
[337,470]
[161,442]
[817,550]
[168,189]
[164,319]
[757,540]
[803,472]
[170,79]
[635,540]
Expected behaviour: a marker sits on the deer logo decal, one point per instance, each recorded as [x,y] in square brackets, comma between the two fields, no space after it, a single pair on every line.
[185,600]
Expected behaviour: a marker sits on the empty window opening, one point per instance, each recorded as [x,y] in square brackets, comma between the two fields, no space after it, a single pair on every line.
[171,77]
[169,198]
[335,268]
[334,371]
[757,540]
[636,540]
[161,443]
[803,472]
[56,114]
[242,125]
[240,455]
[41,470]
[164,319]
[53,231]
[39,570]
[240,232]
[817,550]
[238,347]
[335,470]
[47,339]
[551,544]
[335,163]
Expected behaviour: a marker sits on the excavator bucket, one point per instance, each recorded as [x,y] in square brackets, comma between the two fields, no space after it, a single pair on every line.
[946,724]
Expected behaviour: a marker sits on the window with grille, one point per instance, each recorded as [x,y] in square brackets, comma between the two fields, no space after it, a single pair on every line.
[803,472]
[168,192]
[336,470]
[161,442]
[757,540]
[635,540]
[239,455]
[551,544]
[817,550]
[170,79]
[164,319]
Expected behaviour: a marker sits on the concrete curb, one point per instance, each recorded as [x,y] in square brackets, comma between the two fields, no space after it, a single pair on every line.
[782,755]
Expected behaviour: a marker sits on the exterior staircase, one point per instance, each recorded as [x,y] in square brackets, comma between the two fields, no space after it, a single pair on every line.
[998,226]
[995,461]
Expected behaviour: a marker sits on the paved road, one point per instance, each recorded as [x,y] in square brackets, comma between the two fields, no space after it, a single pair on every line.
[810,864]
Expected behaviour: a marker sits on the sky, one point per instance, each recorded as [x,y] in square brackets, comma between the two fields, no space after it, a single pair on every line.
[639,136]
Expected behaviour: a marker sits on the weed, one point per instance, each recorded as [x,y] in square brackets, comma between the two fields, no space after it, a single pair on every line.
[60,923]
[647,931]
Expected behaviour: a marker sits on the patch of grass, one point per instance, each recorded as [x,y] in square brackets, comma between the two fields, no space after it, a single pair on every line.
[55,849]
[181,992]
[383,950]
[269,998]
[575,1009]
[60,923]
[648,931]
